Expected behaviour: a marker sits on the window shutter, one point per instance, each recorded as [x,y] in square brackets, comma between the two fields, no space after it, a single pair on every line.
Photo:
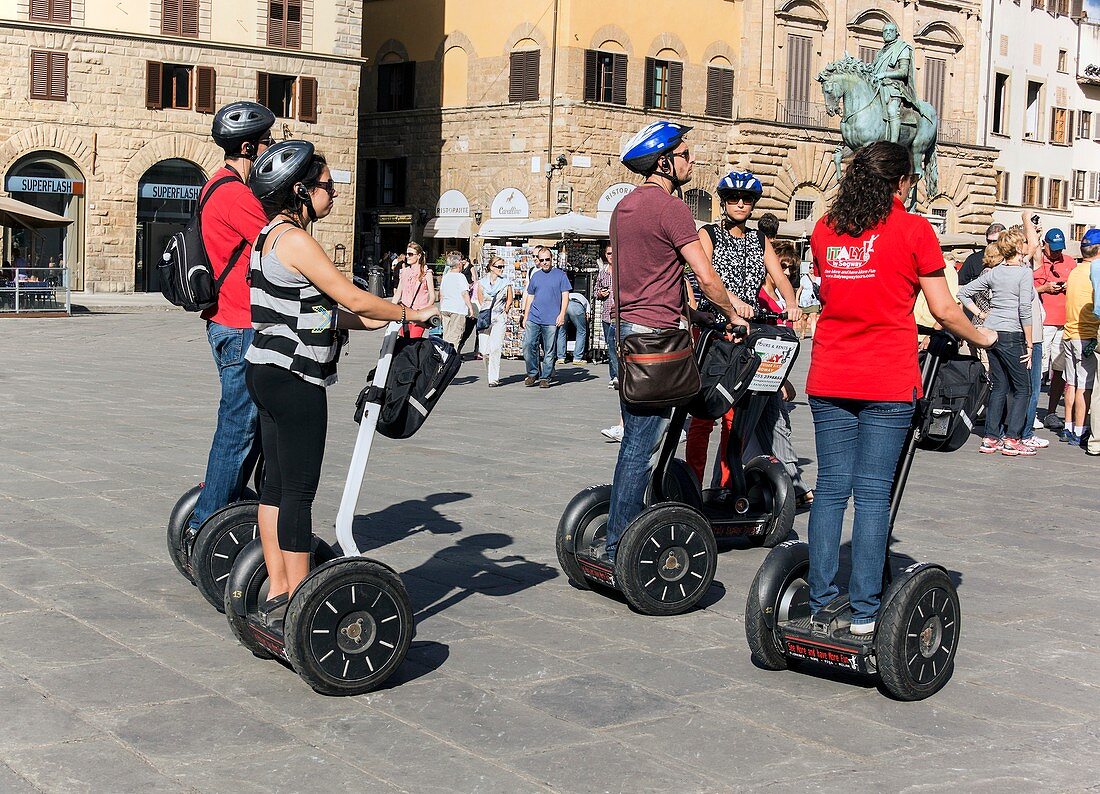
[261,88]
[370,182]
[40,74]
[170,13]
[515,77]
[51,11]
[59,75]
[934,71]
[399,180]
[675,86]
[189,18]
[531,75]
[276,23]
[408,86]
[307,99]
[205,89]
[719,92]
[650,68]
[154,73]
[591,61]
[40,10]
[293,24]
[618,83]
[798,71]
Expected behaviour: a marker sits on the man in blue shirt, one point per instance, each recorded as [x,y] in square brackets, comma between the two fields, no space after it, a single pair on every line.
[544,305]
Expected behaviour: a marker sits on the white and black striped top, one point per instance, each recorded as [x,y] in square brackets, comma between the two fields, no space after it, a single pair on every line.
[295,323]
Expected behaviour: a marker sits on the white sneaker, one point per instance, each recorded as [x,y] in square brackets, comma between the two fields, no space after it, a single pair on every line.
[613,433]
[862,629]
[1037,424]
[1037,443]
[613,383]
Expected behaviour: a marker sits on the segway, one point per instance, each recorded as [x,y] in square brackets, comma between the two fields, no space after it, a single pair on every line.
[913,648]
[668,554]
[349,623]
[205,555]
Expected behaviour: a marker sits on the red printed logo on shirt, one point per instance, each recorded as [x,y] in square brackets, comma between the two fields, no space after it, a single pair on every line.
[850,257]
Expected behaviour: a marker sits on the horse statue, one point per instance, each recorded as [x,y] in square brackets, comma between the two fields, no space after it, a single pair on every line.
[853,92]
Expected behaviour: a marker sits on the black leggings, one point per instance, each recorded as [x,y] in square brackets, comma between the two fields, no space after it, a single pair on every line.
[293,423]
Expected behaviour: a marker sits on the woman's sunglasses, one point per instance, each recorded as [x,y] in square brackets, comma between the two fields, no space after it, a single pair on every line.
[328,186]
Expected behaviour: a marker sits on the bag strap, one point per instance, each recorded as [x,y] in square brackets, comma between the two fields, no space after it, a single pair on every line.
[712,234]
[198,212]
[259,244]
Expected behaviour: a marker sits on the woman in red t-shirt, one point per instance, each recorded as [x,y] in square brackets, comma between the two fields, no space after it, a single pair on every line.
[872,257]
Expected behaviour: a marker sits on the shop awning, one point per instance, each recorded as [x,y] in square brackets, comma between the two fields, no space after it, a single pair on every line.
[571,224]
[18,213]
[449,227]
[500,228]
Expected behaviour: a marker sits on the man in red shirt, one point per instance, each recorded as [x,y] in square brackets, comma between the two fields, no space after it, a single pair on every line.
[653,235]
[231,220]
[1050,282]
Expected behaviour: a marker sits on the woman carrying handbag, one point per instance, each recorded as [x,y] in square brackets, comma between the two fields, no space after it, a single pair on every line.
[494,292]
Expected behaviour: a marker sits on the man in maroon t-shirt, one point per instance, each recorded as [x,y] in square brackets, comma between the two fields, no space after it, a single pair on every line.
[231,220]
[653,235]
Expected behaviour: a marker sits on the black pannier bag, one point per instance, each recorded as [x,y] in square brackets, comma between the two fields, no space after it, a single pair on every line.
[186,276]
[726,372]
[955,404]
[420,371]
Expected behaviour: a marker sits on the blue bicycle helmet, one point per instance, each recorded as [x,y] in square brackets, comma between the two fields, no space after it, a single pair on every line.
[643,150]
[740,182]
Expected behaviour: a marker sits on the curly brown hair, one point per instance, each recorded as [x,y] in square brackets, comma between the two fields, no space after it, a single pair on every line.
[867,189]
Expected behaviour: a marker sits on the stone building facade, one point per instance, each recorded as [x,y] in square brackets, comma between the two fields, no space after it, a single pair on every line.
[105,117]
[469,124]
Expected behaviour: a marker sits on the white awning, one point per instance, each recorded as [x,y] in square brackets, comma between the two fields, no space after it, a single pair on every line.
[571,224]
[499,228]
[18,213]
[449,227]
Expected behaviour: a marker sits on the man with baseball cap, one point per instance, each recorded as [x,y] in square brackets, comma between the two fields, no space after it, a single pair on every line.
[972,266]
[1051,273]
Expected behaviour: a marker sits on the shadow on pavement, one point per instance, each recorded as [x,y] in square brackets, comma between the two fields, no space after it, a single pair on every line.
[374,530]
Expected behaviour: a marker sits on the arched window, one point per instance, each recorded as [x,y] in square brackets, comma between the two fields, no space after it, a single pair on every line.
[701,204]
[52,182]
[664,81]
[523,73]
[456,69]
[396,83]
[806,205]
[720,87]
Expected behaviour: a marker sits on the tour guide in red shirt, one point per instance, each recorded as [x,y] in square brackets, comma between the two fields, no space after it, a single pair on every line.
[653,235]
[231,220]
[872,257]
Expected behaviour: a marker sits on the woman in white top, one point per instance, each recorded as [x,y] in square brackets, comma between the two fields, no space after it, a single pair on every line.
[495,295]
[454,300]
[808,301]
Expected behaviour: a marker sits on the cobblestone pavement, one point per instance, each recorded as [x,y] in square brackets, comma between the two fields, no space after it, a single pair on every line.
[115,675]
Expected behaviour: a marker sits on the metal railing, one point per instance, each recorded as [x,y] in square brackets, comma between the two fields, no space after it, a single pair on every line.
[806,114]
[35,289]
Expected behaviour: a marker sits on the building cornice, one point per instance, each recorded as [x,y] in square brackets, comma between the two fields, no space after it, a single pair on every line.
[150,38]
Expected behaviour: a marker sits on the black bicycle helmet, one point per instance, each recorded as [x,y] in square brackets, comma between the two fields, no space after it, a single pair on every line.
[238,122]
[282,164]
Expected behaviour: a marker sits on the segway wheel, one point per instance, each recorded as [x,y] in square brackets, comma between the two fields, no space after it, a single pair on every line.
[253,585]
[348,627]
[220,540]
[666,560]
[917,636]
[769,485]
[764,642]
[177,525]
[582,524]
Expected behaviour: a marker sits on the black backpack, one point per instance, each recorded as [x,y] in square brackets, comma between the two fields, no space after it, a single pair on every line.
[955,403]
[186,277]
[421,369]
[726,373]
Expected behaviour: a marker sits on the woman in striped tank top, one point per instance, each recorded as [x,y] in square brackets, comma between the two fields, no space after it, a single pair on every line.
[297,294]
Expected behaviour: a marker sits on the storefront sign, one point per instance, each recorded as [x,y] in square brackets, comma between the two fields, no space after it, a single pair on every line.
[612,196]
[510,203]
[395,219]
[45,184]
[452,204]
[181,192]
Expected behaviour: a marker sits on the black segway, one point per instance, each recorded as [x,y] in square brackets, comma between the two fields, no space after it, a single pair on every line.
[349,623]
[917,630]
[668,555]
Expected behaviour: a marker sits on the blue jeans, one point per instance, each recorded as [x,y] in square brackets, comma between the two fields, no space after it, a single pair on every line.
[574,313]
[643,432]
[612,352]
[1010,390]
[534,335]
[232,451]
[1036,388]
[858,445]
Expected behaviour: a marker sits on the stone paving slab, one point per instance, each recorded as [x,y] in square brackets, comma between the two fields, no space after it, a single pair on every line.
[115,675]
